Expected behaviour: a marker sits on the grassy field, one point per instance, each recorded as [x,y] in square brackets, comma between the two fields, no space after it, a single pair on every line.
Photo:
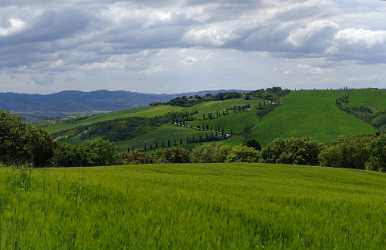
[235,121]
[313,114]
[374,98]
[215,106]
[166,131]
[302,113]
[219,206]
[146,112]
[159,135]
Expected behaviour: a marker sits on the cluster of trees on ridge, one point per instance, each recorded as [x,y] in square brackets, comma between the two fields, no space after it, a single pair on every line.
[21,144]
[271,95]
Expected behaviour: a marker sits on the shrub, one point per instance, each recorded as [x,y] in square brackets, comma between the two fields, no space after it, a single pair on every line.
[137,157]
[253,144]
[302,151]
[242,154]
[210,153]
[67,155]
[174,155]
[377,150]
[97,152]
[347,152]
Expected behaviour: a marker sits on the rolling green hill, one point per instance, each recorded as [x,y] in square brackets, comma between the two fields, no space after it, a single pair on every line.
[199,206]
[74,130]
[236,122]
[368,105]
[147,112]
[373,98]
[160,135]
[311,113]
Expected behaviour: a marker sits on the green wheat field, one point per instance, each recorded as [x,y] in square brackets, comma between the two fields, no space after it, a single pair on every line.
[195,206]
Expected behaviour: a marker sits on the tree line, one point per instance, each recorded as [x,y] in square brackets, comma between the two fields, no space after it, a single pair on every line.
[25,145]
[270,94]
[360,152]
[183,141]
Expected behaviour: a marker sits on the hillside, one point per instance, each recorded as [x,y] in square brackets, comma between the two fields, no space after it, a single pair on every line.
[374,98]
[68,104]
[200,206]
[146,127]
[56,126]
[311,113]
[368,105]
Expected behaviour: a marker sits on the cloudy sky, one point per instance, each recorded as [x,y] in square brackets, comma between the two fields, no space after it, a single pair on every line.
[184,45]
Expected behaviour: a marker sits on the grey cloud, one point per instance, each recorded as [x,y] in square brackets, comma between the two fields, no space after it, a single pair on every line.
[68,35]
[50,25]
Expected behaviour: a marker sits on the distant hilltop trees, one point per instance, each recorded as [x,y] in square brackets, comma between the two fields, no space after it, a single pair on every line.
[271,95]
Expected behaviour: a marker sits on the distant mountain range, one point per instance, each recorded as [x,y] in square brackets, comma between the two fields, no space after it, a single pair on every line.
[51,105]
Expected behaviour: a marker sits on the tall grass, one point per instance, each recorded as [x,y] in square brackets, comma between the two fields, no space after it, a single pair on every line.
[235,206]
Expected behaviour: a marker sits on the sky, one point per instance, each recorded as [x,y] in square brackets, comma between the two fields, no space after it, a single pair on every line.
[172,46]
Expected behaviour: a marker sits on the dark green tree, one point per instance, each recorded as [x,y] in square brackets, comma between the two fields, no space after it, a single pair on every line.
[13,140]
[40,146]
[377,152]
[175,155]
[253,143]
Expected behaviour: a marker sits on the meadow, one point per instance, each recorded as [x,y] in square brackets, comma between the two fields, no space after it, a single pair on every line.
[195,206]
[159,135]
[373,98]
[311,113]
[146,112]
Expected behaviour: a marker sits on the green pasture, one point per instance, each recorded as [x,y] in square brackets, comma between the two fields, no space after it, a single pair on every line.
[373,98]
[196,206]
[310,113]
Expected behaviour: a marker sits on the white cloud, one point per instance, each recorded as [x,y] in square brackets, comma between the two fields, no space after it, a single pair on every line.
[316,34]
[213,35]
[361,37]
[14,25]
[316,70]
[365,46]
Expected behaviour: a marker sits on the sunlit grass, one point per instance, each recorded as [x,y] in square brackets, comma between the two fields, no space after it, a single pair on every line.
[201,206]
[313,114]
